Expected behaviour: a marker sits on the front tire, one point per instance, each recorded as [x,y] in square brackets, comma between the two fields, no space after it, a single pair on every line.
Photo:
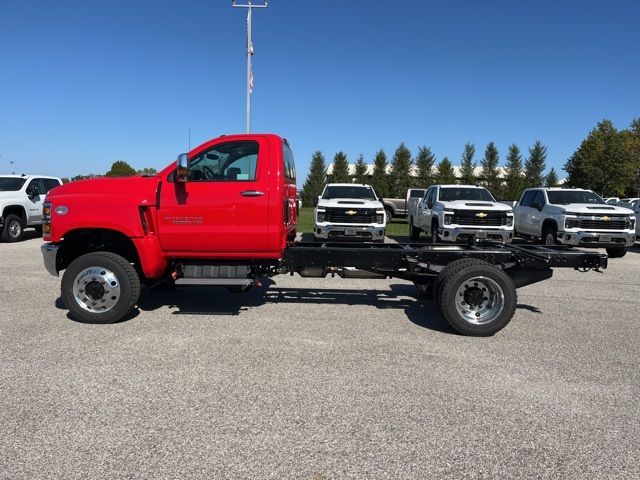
[434,232]
[477,300]
[616,252]
[549,236]
[100,287]
[414,232]
[13,230]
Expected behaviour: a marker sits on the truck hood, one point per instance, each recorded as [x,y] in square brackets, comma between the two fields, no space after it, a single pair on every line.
[476,205]
[350,203]
[136,189]
[590,209]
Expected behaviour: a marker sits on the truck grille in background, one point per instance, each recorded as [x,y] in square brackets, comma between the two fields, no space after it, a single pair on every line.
[613,224]
[468,217]
[339,215]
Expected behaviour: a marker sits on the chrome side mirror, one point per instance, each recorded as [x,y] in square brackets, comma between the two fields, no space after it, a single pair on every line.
[182,168]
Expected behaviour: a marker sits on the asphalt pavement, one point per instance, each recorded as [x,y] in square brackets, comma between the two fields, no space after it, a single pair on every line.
[319,379]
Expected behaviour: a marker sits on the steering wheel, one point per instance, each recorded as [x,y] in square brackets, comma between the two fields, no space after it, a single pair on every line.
[208,173]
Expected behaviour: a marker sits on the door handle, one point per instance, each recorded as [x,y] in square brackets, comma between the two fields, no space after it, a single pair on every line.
[252,193]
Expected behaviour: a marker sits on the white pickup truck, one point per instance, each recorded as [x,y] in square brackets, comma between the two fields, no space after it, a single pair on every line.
[573,216]
[349,211]
[21,200]
[454,213]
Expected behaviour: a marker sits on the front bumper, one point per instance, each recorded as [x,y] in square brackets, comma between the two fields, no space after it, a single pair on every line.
[349,232]
[597,239]
[457,234]
[50,257]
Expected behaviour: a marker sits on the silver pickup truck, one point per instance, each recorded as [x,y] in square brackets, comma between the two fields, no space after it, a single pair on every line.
[399,207]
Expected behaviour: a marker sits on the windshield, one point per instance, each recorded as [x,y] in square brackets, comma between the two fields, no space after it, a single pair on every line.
[11,184]
[345,191]
[452,194]
[573,196]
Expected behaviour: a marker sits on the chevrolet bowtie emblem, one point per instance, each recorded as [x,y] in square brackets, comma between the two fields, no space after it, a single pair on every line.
[481,215]
[350,212]
[605,218]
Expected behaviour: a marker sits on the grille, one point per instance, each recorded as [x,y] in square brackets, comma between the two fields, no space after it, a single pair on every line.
[613,224]
[468,217]
[339,215]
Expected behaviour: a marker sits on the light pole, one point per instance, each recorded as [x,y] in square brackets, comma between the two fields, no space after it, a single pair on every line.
[249,6]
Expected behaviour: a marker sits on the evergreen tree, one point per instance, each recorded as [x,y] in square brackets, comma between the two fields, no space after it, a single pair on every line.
[468,166]
[315,180]
[604,162]
[490,178]
[340,172]
[120,168]
[360,174]
[380,179]
[514,175]
[445,174]
[400,178]
[534,165]
[424,167]
[551,180]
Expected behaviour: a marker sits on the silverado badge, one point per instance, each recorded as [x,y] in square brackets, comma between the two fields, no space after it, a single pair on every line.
[350,212]
[481,215]
[606,219]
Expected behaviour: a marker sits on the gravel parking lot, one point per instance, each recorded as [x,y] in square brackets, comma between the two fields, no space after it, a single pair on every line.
[318,379]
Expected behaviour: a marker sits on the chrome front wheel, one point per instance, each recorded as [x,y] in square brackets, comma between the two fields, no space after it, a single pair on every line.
[96,289]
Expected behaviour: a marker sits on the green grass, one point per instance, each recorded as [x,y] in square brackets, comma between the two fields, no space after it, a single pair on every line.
[397,226]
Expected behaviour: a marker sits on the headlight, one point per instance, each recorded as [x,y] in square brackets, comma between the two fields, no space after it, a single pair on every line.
[632,223]
[571,223]
[448,218]
[379,217]
[320,216]
[509,220]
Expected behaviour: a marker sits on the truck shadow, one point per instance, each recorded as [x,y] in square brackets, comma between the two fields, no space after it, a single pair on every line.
[419,310]
[218,301]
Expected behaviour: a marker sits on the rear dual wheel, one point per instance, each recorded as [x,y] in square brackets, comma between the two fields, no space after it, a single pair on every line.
[475,297]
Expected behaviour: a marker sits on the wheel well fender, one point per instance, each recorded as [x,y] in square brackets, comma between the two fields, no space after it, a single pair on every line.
[549,223]
[15,210]
[82,241]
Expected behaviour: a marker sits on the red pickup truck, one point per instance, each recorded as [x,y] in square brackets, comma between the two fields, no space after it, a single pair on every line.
[225,215]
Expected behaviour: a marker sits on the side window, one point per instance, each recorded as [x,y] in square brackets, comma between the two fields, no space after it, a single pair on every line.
[527,197]
[425,198]
[49,183]
[289,164]
[35,187]
[226,162]
[539,198]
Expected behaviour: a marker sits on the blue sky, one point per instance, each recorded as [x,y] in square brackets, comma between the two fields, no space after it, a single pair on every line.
[85,83]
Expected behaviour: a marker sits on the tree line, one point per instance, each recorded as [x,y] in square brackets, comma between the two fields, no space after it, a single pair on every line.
[519,173]
[607,161]
[119,168]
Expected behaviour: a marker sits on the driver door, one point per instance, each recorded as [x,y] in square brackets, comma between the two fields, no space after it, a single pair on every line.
[35,192]
[224,207]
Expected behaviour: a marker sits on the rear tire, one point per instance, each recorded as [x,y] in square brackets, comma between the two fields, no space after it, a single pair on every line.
[414,232]
[616,252]
[100,287]
[446,271]
[477,300]
[13,230]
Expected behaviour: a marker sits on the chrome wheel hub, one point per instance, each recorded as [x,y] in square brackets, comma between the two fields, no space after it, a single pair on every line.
[15,229]
[479,300]
[96,289]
